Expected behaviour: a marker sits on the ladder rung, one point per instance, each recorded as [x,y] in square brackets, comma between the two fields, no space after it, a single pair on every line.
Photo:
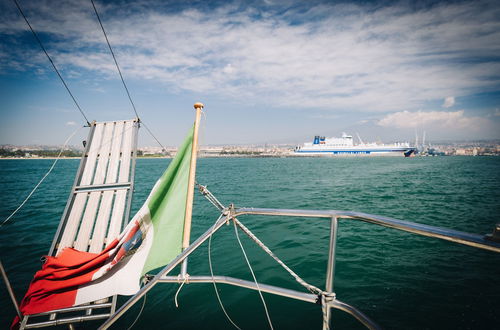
[103,187]
[73,309]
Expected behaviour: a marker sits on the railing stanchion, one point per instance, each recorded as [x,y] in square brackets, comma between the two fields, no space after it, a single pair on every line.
[330,271]
[11,292]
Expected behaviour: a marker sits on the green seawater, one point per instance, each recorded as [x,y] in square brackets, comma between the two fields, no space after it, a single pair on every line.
[400,280]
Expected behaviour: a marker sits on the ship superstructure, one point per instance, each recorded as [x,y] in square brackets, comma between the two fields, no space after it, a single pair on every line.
[345,146]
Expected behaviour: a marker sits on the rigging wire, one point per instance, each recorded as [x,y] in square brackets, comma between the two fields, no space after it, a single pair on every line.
[51,62]
[257,241]
[151,133]
[215,202]
[324,296]
[114,58]
[212,274]
[43,178]
[121,76]
[140,313]
[253,275]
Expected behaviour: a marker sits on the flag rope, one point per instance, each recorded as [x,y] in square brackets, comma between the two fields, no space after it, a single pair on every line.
[179,290]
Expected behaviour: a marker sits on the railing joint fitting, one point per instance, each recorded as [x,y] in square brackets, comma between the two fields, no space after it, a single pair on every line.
[495,236]
[329,296]
[229,213]
[147,278]
[203,189]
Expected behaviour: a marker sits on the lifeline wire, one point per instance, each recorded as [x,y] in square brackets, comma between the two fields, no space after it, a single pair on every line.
[51,62]
[138,315]
[39,183]
[212,274]
[253,275]
[121,76]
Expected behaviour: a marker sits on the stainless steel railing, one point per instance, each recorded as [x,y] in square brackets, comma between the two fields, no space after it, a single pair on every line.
[487,242]
[478,241]
[329,300]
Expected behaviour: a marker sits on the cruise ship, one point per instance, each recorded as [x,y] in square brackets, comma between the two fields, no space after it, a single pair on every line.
[345,146]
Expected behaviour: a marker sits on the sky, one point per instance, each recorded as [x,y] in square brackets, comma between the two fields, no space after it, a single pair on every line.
[267,71]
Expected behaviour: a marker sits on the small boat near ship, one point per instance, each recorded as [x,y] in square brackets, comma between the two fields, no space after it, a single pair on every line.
[345,146]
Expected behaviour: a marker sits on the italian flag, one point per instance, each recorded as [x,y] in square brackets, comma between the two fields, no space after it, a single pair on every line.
[152,239]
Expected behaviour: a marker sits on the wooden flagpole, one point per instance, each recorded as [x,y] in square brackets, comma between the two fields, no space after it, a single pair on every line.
[190,193]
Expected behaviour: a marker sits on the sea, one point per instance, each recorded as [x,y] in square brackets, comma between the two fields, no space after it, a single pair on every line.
[399,280]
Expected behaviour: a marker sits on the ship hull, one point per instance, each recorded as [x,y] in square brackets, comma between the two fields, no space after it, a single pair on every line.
[406,152]
[345,146]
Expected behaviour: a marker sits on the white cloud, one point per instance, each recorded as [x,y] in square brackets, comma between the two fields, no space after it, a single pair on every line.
[350,57]
[419,119]
[71,123]
[229,69]
[448,102]
[323,116]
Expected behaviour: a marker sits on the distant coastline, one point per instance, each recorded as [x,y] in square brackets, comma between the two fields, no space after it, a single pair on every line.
[245,156]
[479,148]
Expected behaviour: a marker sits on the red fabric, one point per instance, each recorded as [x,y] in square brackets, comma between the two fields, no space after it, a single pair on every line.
[56,284]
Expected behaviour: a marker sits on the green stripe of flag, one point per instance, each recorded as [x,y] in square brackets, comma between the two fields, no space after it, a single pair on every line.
[167,207]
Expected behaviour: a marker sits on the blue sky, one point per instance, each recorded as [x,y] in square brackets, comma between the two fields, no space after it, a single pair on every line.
[267,71]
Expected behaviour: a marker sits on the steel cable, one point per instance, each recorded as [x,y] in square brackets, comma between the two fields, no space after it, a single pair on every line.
[51,62]
[43,178]
[121,76]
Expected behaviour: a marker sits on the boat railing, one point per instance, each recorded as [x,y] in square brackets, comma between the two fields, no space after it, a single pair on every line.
[326,298]
[487,242]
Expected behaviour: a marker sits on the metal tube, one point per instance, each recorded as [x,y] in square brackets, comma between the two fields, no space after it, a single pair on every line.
[9,289]
[163,272]
[113,304]
[184,268]
[130,196]
[420,229]
[103,187]
[456,236]
[367,322]
[74,309]
[308,297]
[330,270]
[325,309]
[66,321]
